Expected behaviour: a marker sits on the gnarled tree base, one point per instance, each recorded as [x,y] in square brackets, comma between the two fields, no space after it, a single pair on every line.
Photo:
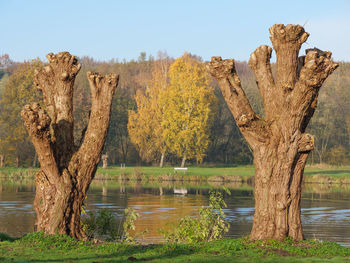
[66,169]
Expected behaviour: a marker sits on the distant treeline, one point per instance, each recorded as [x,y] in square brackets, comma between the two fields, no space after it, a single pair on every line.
[330,124]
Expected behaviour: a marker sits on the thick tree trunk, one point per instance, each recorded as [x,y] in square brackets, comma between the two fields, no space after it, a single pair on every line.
[183,161]
[66,169]
[162,160]
[279,142]
[277,192]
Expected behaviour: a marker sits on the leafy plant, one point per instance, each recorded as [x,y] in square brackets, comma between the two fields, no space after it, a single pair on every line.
[103,224]
[210,225]
[130,216]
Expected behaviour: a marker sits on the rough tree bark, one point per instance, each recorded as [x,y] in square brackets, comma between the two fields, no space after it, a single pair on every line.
[66,169]
[2,160]
[279,142]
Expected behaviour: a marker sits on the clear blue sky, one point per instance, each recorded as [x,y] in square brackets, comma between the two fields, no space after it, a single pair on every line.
[122,29]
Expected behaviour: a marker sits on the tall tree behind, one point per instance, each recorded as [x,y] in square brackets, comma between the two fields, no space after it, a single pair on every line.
[330,122]
[227,143]
[16,92]
[136,74]
[144,124]
[189,109]
[279,142]
[66,169]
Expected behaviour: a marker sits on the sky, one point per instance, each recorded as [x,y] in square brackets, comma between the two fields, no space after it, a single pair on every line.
[107,30]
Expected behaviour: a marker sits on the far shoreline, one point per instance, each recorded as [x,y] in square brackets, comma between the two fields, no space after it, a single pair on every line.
[321,174]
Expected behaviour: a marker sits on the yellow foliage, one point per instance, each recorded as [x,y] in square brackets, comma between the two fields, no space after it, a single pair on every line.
[189,104]
[17,91]
[144,125]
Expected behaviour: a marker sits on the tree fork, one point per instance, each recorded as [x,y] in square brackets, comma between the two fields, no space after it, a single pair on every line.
[279,142]
[66,169]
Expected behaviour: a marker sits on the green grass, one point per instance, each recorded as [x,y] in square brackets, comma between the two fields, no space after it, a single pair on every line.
[202,171]
[243,171]
[37,247]
[149,173]
[331,171]
[18,172]
[205,172]
[337,175]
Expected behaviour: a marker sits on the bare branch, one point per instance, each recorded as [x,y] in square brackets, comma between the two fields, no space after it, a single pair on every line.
[102,91]
[37,123]
[251,125]
[318,65]
[56,80]
[260,63]
[286,41]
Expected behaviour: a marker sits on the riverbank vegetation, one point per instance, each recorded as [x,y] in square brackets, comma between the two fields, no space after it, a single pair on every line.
[330,125]
[243,173]
[38,247]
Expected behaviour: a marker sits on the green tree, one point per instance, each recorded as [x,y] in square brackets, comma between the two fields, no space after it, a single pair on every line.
[118,140]
[189,106]
[337,155]
[17,91]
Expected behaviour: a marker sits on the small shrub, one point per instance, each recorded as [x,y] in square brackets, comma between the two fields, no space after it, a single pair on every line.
[209,225]
[104,225]
[130,216]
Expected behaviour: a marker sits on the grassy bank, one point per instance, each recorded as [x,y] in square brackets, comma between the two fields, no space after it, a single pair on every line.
[203,172]
[37,247]
[335,175]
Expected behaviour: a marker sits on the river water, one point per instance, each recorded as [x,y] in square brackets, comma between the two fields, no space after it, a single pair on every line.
[325,208]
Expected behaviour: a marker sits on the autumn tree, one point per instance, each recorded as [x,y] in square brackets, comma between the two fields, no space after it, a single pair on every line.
[279,142]
[189,106]
[15,93]
[144,124]
[67,167]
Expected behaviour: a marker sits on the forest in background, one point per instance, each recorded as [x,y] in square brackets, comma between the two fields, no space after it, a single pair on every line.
[330,124]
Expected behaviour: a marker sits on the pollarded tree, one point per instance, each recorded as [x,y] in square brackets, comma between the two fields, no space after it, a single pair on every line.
[279,142]
[66,169]
[189,106]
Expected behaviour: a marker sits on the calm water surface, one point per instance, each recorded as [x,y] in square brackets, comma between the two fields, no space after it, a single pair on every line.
[325,210]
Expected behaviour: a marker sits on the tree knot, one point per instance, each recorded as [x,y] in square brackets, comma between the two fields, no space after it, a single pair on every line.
[261,55]
[281,34]
[306,143]
[317,66]
[36,120]
[281,206]
[244,120]
[221,69]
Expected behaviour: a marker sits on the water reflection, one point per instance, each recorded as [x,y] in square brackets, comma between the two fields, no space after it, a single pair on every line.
[16,207]
[325,209]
